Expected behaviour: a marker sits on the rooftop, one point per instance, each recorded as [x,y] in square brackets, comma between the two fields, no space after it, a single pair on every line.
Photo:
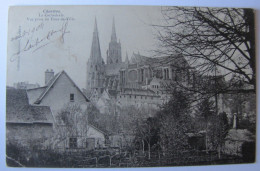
[18,109]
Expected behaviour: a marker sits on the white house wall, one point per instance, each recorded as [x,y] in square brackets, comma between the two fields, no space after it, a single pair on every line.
[98,135]
[59,95]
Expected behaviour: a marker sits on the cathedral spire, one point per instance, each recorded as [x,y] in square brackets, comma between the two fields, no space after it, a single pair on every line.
[95,53]
[95,26]
[113,35]
[95,64]
[114,49]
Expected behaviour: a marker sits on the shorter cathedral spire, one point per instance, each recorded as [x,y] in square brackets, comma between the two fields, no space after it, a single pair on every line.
[114,50]
[95,53]
[113,35]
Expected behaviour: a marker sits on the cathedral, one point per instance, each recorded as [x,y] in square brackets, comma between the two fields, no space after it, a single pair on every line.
[140,80]
[101,75]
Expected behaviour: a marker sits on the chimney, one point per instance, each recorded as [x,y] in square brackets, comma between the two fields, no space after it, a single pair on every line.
[235,121]
[49,74]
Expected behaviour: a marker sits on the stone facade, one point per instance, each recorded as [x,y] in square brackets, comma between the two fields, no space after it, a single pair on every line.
[95,64]
[29,134]
[145,76]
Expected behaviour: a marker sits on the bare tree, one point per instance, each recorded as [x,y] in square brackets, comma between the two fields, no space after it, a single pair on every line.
[212,40]
[146,131]
[72,121]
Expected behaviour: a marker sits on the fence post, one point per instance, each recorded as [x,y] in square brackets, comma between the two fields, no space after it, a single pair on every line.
[159,159]
[96,161]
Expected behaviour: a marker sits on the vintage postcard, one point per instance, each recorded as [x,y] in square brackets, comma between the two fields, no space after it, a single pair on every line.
[130,86]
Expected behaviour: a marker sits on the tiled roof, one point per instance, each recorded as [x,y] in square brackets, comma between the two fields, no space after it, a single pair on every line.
[48,86]
[177,61]
[18,109]
[98,127]
[33,94]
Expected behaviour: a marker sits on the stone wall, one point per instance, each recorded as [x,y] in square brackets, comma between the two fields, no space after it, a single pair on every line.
[28,134]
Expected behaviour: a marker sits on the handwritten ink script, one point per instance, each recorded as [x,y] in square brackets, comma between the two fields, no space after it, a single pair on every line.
[40,35]
[35,43]
[28,32]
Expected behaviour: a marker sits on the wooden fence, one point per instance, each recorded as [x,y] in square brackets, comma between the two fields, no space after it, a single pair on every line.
[80,158]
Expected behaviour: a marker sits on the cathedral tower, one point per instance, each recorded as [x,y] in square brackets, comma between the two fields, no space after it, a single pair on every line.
[114,50]
[95,64]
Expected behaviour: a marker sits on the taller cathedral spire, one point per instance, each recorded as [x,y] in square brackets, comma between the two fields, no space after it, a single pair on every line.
[95,64]
[113,35]
[95,53]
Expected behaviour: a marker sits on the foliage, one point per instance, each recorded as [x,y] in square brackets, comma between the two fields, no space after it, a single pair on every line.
[166,131]
[93,113]
[218,129]
[175,121]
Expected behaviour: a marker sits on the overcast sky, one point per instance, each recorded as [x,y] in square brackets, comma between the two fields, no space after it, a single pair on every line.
[48,42]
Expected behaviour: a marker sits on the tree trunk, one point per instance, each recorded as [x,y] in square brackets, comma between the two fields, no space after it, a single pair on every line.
[143,146]
[250,20]
[163,150]
[206,138]
[149,151]
[219,152]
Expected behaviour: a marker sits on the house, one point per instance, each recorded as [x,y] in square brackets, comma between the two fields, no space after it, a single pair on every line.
[94,138]
[60,91]
[27,125]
